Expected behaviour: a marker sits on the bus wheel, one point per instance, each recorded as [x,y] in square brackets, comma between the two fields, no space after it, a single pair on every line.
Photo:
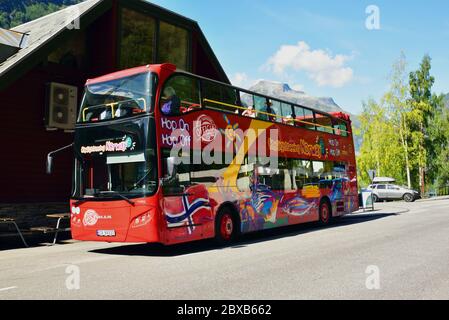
[225,227]
[325,213]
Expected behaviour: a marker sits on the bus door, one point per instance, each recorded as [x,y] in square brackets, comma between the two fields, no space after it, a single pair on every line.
[266,194]
[187,207]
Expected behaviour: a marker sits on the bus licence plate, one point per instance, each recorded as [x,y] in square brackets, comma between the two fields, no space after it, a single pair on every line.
[106,233]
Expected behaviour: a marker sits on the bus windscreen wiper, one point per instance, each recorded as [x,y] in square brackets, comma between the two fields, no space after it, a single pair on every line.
[118,194]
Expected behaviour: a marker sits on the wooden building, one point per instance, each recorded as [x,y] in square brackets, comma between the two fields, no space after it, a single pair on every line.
[67,47]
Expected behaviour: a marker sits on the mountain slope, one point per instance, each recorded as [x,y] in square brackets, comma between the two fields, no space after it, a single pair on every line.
[13,12]
[284,92]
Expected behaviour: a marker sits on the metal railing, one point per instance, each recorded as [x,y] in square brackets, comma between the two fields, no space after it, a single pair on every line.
[284,120]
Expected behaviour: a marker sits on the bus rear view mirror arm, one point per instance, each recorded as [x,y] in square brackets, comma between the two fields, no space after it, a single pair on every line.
[50,157]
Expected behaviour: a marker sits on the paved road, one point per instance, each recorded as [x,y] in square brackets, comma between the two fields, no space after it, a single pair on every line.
[407,243]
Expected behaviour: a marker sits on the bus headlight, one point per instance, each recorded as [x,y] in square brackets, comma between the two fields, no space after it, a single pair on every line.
[142,220]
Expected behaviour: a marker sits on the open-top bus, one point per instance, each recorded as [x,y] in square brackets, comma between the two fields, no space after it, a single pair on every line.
[165,156]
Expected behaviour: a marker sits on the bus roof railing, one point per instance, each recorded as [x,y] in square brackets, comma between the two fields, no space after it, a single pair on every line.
[269,114]
[333,116]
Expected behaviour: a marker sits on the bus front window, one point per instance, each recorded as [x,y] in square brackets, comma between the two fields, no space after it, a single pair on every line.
[118,98]
[129,175]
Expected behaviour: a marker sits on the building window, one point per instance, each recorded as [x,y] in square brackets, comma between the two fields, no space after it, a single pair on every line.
[173,45]
[71,53]
[137,39]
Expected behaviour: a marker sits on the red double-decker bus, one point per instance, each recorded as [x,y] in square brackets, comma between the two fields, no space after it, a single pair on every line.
[165,156]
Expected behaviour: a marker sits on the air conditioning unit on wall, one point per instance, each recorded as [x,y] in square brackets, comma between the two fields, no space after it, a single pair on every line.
[61,106]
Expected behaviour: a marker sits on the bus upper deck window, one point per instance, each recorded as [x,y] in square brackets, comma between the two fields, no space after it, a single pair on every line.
[276,110]
[172,105]
[180,95]
[324,123]
[340,128]
[117,98]
[300,118]
[309,119]
[287,114]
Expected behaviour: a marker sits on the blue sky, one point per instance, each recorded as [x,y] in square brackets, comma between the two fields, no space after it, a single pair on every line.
[322,47]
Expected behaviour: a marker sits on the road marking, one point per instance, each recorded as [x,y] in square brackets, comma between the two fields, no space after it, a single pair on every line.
[79,262]
[7,289]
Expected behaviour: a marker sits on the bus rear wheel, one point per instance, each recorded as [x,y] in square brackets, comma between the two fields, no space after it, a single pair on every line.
[225,227]
[325,213]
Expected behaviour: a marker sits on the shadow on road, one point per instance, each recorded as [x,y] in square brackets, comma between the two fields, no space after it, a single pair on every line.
[158,250]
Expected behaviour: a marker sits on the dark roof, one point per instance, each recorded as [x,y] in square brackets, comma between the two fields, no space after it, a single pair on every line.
[45,29]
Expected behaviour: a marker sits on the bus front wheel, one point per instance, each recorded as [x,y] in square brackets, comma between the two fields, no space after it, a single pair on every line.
[226,228]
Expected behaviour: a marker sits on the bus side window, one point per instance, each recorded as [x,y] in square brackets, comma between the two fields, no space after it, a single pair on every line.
[302,172]
[181,178]
[229,96]
[180,95]
[247,102]
[260,104]
[324,123]
[309,119]
[318,171]
[245,178]
[287,114]
[340,128]
[276,110]
[299,117]
[344,129]
[210,92]
[220,97]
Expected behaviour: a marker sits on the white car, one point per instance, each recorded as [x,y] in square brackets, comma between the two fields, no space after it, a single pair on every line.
[385,191]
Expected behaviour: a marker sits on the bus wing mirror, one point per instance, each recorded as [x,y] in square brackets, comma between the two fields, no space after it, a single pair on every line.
[50,157]
[49,164]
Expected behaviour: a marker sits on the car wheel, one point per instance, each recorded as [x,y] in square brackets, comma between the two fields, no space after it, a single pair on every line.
[408,197]
[375,198]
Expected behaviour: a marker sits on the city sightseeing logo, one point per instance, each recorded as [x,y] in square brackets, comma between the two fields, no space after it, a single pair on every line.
[110,146]
[205,128]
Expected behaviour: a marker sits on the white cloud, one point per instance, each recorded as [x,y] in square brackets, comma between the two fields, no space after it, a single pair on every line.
[242,80]
[239,79]
[320,65]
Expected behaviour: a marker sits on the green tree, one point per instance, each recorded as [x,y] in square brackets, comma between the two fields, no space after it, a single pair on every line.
[14,13]
[380,149]
[438,144]
[424,106]
[406,134]
[397,101]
